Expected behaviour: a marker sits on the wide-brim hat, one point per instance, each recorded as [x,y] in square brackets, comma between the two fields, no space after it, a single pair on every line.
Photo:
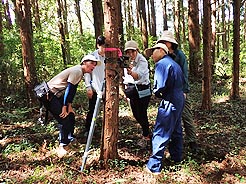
[148,52]
[91,58]
[167,36]
[131,45]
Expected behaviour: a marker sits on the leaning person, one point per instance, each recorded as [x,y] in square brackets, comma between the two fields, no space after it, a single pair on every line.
[137,74]
[94,81]
[59,100]
[168,85]
[190,131]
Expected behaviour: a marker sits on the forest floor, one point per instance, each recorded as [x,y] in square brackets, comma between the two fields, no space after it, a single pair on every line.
[28,150]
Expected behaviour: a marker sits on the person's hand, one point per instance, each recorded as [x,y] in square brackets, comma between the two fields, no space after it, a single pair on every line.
[70,109]
[129,71]
[89,93]
[185,95]
[64,112]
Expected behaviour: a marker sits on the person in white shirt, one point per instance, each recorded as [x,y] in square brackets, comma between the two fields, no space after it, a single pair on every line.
[138,75]
[95,80]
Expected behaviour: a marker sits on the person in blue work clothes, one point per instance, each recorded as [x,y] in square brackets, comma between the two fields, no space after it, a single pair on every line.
[59,100]
[168,85]
[190,131]
[94,81]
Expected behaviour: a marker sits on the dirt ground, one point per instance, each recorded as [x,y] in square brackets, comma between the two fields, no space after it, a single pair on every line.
[28,150]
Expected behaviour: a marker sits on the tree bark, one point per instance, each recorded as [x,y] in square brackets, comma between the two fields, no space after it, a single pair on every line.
[98,17]
[213,6]
[194,38]
[236,50]
[77,11]
[144,29]
[164,7]
[177,20]
[153,18]
[111,126]
[206,81]
[23,11]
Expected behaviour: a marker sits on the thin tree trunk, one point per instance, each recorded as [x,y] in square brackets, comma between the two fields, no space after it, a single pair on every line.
[206,81]
[62,32]
[9,24]
[111,126]
[98,17]
[213,6]
[143,23]
[153,18]
[177,20]
[3,75]
[23,11]
[236,50]
[183,17]
[77,11]
[164,7]
[194,38]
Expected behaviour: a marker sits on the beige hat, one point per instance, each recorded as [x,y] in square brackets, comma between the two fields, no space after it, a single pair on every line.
[167,36]
[148,52]
[131,45]
[92,58]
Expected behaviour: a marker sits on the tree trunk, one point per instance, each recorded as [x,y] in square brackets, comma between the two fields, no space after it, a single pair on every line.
[223,27]
[77,11]
[7,15]
[3,76]
[177,20]
[244,24]
[23,11]
[164,7]
[236,50]
[111,126]
[194,38]
[213,6]
[62,32]
[206,81]
[98,17]
[144,30]
[183,17]
[35,10]
[153,18]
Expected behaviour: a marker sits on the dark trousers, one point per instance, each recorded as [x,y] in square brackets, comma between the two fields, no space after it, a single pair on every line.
[66,125]
[139,108]
[92,103]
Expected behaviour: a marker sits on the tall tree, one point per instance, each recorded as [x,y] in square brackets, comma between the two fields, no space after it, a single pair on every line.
[98,17]
[236,50]
[142,12]
[7,15]
[213,23]
[111,124]
[194,38]
[153,18]
[77,12]
[177,19]
[164,7]
[244,24]
[3,75]
[206,81]
[23,12]
[63,29]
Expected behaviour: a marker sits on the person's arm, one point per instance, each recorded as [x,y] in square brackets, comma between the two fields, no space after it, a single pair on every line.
[68,98]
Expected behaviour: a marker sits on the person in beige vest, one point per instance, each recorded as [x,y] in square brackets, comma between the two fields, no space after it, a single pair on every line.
[62,91]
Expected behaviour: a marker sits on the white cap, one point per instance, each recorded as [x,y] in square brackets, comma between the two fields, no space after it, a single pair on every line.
[90,57]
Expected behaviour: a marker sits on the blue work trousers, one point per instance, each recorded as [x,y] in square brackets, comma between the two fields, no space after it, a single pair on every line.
[167,129]
[66,125]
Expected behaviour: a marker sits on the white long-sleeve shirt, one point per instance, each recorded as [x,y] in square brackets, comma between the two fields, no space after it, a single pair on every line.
[141,68]
[95,79]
